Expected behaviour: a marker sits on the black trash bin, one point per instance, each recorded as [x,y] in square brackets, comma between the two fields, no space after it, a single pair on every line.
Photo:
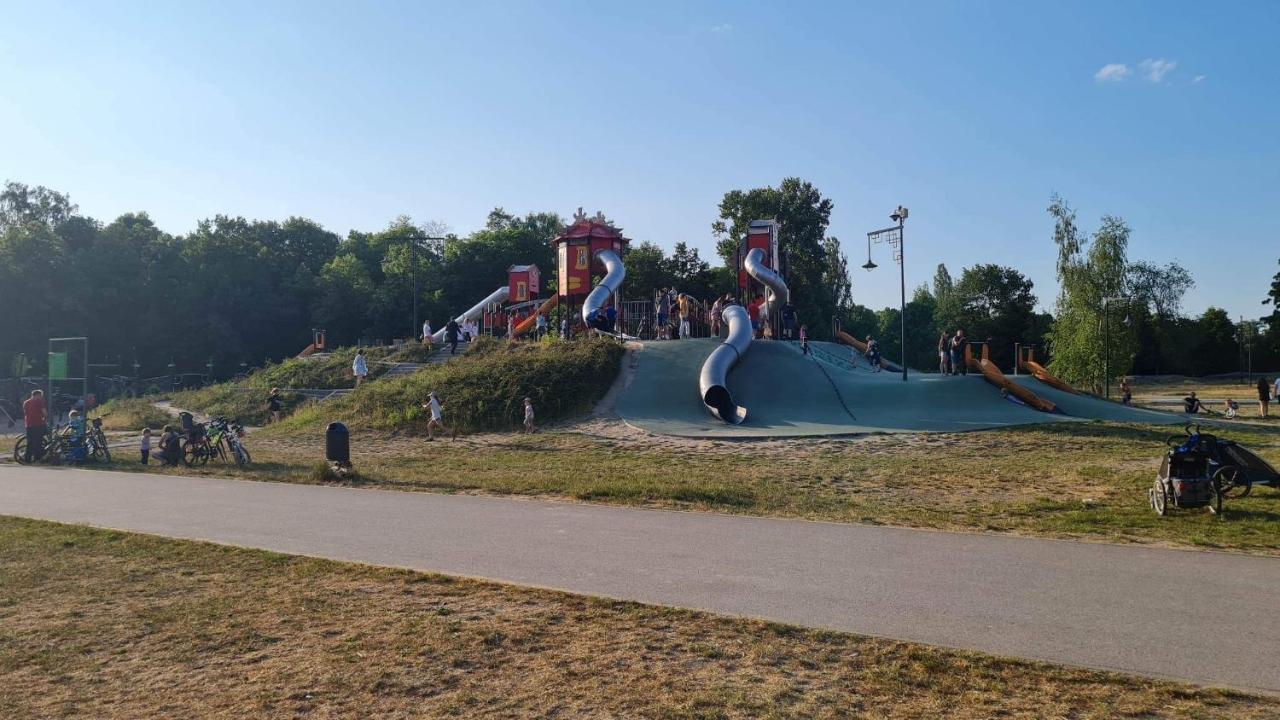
[337,444]
[187,421]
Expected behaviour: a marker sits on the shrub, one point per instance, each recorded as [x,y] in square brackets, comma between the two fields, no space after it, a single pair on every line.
[485,389]
[131,414]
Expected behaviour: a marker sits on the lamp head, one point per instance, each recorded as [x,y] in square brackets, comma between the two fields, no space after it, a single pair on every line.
[899,215]
[869,266]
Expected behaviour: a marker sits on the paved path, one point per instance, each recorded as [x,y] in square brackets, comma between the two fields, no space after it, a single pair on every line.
[1205,617]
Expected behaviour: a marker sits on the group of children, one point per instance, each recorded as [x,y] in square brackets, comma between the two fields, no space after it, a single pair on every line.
[1191,405]
[436,421]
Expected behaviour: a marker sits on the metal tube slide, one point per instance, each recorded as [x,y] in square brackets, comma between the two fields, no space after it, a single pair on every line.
[715,370]
[614,273]
[497,296]
[755,267]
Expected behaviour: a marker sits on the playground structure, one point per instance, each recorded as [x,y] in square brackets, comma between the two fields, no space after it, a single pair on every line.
[587,243]
[861,347]
[992,374]
[1026,359]
[318,343]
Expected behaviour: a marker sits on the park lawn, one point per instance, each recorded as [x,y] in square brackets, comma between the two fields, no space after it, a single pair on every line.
[1068,480]
[105,624]
[1213,392]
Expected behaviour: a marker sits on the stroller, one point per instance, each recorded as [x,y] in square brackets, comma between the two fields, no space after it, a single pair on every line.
[1201,470]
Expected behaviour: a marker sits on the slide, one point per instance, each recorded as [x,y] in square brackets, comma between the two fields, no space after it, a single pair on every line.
[1040,373]
[614,273]
[778,292]
[528,323]
[997,378]
[861,347]
[497,296]
[713,380]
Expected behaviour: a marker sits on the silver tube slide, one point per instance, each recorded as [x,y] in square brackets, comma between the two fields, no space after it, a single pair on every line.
[614,273]
[715,370]
[755,267]
[497,296]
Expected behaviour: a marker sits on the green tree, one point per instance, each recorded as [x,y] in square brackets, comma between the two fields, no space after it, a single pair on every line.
[647,270]
[995,304]
[1089,272]
[803,216]
[1273,319]
[835,276]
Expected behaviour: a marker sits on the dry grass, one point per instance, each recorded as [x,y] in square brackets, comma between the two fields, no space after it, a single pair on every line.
[1213,392]
[106,625]
[1075,480]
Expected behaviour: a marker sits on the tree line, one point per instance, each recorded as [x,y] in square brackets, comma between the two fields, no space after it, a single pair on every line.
[236,291]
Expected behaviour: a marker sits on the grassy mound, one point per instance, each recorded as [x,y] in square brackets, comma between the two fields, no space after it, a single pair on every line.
[131,414]
[485,389]
[246,398]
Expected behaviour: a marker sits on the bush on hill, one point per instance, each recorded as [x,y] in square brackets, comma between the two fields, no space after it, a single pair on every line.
[131,414]
[485,389]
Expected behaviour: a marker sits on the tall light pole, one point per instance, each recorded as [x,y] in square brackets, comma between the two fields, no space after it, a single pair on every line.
[1106,322]
[894,236]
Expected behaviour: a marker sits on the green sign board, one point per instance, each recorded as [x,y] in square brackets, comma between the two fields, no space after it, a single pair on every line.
[57,366]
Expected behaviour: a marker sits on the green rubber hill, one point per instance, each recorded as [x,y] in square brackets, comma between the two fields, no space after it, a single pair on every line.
[788,394]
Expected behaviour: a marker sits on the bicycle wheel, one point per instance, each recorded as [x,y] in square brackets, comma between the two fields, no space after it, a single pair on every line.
[20,451]
[194,453]
[1231,482]
[242,455]
[98,450]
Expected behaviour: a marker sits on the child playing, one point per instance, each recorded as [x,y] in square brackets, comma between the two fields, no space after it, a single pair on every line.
[1232,407]
[437,417]
[146,445]
[804,338]
[528,415]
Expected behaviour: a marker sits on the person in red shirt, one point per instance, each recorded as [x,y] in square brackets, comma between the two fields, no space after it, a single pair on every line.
[33,417]
[753,312]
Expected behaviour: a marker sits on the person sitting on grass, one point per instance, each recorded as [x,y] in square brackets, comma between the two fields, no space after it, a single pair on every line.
[1191,404]
[528,415]
[1230,408]
[436,422]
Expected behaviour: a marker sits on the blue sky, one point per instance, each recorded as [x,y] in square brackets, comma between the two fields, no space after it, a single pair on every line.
[969,113]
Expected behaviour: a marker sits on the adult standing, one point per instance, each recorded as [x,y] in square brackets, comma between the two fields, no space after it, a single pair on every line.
[873,354]
[958,344]
[944,353]
[36,423]
[359,367]
[682,306]
[426,333]
[664,312]
[788,321]
[1126,392]
[1264,396]
[451,336]
[717,308]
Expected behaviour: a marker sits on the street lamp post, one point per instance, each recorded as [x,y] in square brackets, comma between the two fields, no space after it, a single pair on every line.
[894,236]
[1106,322]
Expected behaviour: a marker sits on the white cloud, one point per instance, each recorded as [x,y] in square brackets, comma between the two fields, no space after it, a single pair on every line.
[1114,72]
[1197,80]
[721,28]
[1156,68]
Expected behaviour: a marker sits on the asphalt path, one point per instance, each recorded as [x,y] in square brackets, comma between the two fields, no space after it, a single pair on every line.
[1209,618]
